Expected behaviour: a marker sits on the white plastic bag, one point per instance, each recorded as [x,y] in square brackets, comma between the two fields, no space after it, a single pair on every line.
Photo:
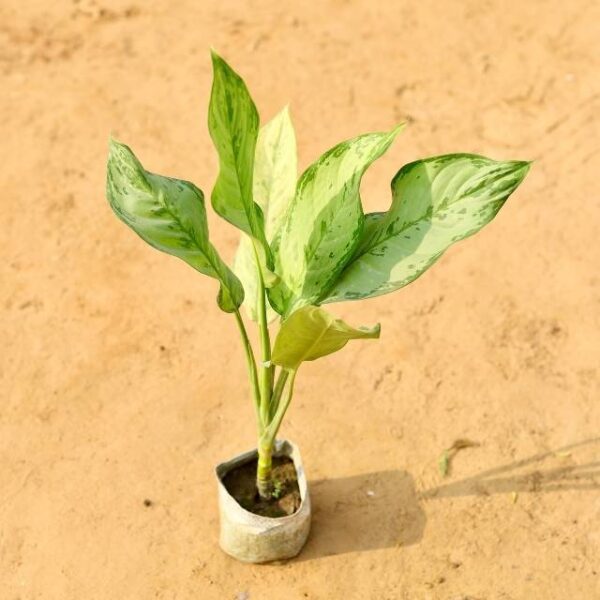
[254,538]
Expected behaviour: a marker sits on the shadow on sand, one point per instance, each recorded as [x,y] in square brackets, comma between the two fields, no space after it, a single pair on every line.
[528,475]
[383,509]
[363,512]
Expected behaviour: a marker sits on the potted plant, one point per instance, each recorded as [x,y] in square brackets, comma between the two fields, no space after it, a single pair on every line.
[304,243]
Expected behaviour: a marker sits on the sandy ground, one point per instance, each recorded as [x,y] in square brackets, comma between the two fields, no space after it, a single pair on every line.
[121,380]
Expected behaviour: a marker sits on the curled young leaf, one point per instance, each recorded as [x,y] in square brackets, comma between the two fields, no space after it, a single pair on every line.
[233,124]
[169,215]
[311,332]
[324,223]
[275,172]
[436,202]
[244,266]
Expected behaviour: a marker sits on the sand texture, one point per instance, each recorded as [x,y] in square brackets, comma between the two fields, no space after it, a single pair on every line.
[122,384]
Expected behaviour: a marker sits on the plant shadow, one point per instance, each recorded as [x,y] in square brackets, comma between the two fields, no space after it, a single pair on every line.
[528,475]
[383,509]
[363,512]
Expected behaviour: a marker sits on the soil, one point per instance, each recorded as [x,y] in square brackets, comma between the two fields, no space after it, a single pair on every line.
[241,484]
[121,382]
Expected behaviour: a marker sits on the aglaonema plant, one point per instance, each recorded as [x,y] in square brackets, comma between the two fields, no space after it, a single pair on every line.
[306,241]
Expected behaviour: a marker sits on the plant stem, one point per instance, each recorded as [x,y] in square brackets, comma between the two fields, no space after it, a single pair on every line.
[251,369]
[264,474]
[264,471]
[266,369]
[273,427]
[264,478]
[279,386]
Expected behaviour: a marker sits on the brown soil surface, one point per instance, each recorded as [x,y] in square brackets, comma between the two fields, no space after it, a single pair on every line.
[241,484]
[123,385]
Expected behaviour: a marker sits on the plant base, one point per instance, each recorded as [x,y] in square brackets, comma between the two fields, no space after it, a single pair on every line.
[285,499]
[254,538]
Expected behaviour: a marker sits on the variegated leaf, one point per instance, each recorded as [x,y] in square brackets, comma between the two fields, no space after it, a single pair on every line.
[436,202]
[233,124]
[324,223]
[275,173]
[169,215]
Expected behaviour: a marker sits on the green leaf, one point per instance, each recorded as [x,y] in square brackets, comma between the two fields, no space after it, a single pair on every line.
[436,202]
[275,172]
[233,125]
[169,215]
[311,332]
[324,223]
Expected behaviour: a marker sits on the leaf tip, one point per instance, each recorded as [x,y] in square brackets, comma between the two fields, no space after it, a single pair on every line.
[524,164]
[391,135]
[520,168]
[113,142]
[398,128]
[218,62]
[119,151]
[371,332]
[376,331]
[285,112]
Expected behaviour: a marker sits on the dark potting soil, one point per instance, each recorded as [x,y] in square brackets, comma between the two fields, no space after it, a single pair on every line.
[241,484]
